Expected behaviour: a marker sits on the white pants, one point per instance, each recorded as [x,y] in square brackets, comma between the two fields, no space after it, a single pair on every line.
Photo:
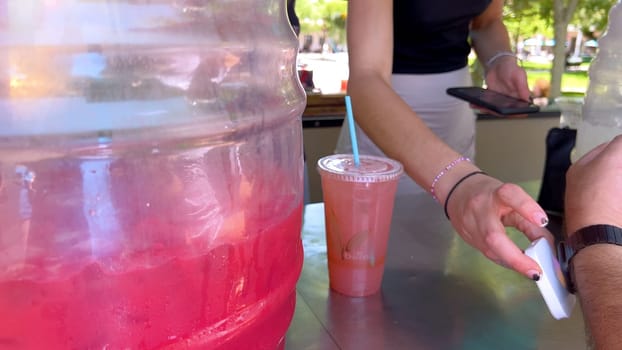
[448,117]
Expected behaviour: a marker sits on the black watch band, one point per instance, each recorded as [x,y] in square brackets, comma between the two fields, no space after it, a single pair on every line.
[584,237]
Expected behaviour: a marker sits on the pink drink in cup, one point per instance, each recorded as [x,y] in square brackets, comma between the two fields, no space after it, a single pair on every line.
[358,205]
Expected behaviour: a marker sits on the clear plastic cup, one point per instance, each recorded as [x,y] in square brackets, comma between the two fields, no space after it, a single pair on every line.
[358,205]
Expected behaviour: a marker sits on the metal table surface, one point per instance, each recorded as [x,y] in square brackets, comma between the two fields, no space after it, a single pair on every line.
[437,293]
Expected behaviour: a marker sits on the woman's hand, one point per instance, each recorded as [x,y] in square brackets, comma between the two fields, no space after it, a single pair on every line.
[481,207]
[490,39]
[505,76]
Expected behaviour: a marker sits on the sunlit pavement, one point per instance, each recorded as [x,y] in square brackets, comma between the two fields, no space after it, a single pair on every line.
[328,69]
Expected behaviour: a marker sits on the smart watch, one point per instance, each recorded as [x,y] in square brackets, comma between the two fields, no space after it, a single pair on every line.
[584,237]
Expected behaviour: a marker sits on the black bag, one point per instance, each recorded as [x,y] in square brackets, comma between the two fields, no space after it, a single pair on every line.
[559,145]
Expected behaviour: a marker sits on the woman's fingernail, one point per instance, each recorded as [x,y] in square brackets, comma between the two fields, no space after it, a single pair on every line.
[542,219]
[535,275]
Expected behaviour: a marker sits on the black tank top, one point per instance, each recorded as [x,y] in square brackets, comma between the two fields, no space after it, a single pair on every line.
[431,36]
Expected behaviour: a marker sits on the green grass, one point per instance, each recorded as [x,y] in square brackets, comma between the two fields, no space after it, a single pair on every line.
[574,82]
[535,65]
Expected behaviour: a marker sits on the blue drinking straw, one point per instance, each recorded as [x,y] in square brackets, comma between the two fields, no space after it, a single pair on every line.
[355,146]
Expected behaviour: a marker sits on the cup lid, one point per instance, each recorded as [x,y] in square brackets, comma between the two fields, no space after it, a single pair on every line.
[370,169]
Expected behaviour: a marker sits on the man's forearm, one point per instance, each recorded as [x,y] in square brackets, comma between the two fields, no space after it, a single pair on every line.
[598,277]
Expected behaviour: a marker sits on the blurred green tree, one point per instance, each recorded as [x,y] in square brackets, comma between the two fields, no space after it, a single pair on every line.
[523,20]
[591,14]
[327,17]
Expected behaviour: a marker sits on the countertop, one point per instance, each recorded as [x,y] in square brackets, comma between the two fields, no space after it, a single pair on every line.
[437,293]
[327,110]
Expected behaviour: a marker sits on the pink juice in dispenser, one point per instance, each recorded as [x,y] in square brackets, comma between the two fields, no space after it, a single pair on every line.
[151,174]
[139,248]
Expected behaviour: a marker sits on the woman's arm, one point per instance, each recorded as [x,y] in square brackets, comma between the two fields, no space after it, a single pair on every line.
[489,37]
[481,206]
[378,109]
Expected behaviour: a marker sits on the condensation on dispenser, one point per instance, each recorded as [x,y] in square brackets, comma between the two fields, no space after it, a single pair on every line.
[602,111]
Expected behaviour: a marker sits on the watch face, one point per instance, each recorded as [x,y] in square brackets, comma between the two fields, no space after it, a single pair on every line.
[560,274]
[564,253]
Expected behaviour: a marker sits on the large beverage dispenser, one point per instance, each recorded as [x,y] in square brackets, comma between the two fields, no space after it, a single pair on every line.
[151,174]
[602,111]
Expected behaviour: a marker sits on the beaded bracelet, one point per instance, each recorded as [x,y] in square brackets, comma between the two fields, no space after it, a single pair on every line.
[456,186]
[443,172]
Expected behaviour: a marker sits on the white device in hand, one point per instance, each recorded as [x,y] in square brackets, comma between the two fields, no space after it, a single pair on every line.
[551,284]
